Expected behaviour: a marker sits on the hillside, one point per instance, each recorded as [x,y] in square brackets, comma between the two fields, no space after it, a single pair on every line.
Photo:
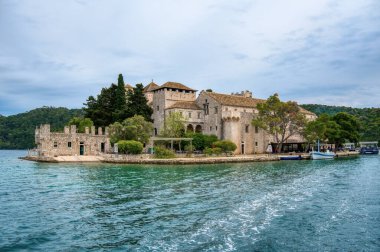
[17,131]
[368,117]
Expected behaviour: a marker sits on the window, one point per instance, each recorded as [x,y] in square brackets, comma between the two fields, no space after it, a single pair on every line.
[216,110]
[189,114]
[256,129]
[216,128]
[155,131]
[205,108]
[226,109]
[210,128]
[158,108]
[180,113]
[199,115]
[256,144]
[246,128]
[55,144]
[69,144]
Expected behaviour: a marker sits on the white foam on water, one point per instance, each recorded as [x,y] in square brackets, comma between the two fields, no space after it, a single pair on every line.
[248,220]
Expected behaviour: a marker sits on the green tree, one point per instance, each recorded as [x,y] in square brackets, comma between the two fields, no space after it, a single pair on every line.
[201,141]
[101,110]
[134,128]
[130,147]
[81,123]
[280,119]
[174,125]
[120,106]
[109,106]
[225,145]
[349,128]
[137,104]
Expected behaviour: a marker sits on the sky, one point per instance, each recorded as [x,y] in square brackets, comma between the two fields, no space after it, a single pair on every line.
[57,53]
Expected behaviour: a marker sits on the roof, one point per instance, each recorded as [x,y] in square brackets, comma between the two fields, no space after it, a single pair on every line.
[175,85]
[185,105]
[128,87]
[150,87]
[241,101]
[306,111]
[235,100]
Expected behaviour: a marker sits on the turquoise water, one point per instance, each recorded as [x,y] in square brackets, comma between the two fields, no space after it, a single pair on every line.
[331,205]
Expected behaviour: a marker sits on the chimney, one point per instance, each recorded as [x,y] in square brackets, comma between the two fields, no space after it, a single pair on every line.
[247,94]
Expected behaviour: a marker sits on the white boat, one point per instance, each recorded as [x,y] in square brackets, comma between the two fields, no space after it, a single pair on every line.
[321,155]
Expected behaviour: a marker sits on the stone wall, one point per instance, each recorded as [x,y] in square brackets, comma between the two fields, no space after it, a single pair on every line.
[71,143]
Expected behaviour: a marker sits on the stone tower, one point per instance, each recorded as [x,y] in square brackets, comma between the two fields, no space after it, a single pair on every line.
[165,96]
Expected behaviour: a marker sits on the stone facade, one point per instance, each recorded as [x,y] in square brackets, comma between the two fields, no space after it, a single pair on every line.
[71,143]
[226,116]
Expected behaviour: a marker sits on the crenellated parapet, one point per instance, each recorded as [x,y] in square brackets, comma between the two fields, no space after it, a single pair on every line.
[70,142]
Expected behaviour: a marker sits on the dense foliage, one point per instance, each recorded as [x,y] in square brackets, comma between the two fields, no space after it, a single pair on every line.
[174,125]
[137,104]
[162,152]
[213,151]
[81,123]
[109,106]
[225,145]
[133,128]
[114,104]
[281,119]
[17,131]
[201,141]
[337,129]
[129,147]
[369,118]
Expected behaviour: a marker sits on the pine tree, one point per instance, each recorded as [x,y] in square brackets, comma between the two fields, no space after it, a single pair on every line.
[137,104]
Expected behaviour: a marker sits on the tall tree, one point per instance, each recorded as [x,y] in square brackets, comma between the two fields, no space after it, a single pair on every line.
[137,104]
[109,106]
[133,128]
[280,119]
[101,110]
[120,106]
[336,129]
[174,125]
[349,127]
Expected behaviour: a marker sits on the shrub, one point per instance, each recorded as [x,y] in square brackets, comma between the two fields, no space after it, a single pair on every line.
[213,151]
[225,145]
[130,146]
[161,152]
[200,141]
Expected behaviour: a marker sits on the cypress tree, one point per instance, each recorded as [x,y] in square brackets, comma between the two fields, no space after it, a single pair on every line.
[137,104]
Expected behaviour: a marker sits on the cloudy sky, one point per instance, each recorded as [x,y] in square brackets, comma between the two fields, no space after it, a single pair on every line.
[57,53]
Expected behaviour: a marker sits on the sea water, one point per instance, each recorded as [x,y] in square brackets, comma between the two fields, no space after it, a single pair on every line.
[324,205]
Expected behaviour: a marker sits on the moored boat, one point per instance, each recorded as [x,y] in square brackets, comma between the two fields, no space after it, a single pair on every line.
[321,155]
[291,157]
[315,155]
[369,148]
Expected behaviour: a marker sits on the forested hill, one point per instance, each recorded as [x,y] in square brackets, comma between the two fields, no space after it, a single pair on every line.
[368,117]
[17,131]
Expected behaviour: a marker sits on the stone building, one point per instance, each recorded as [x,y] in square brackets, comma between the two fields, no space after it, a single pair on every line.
[71,143]
[226,116]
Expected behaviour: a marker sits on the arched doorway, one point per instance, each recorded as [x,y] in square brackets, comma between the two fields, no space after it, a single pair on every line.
[198,129]
[190,128]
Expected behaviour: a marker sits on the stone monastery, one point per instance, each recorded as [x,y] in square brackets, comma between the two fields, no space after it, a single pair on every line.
[226,116]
